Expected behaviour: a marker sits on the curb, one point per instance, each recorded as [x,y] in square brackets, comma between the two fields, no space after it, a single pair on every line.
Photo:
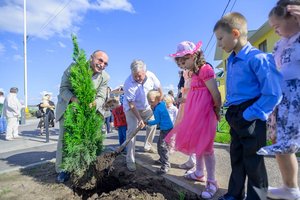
[26,167]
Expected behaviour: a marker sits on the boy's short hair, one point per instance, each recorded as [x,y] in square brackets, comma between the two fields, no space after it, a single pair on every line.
[153,93]
[232,21]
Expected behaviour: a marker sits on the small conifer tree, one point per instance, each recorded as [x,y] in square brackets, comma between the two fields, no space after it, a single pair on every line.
[83,140]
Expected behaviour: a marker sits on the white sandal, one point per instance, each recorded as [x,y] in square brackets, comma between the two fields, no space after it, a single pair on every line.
[210,190]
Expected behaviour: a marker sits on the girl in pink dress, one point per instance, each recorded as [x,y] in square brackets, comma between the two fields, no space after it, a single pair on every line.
[196,131]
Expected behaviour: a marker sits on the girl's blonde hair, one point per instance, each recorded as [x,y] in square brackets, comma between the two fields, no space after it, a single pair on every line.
[168,99]
[199,61]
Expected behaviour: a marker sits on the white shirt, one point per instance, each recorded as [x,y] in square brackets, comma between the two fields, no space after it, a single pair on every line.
[173,110]
[12,106]
[137,92]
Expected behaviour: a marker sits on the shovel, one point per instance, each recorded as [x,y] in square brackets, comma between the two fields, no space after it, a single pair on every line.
[105,160]
[102,166]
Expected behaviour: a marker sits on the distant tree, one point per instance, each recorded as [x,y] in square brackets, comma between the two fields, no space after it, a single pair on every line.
[83,140]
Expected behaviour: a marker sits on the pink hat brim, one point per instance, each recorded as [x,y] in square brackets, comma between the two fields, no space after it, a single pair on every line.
[183,53]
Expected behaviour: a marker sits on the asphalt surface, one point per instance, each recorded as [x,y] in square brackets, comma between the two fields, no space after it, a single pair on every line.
[32,149]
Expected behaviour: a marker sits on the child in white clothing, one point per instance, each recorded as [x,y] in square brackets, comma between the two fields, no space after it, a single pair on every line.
[172,110]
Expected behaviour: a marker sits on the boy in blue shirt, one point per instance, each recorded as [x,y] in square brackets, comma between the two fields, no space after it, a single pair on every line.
[161,118]
[252,92]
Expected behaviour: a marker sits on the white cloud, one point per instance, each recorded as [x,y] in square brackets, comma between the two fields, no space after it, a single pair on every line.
[50,50]
[169,87]
[13,45]
[62,45]
[2,48]
[18,57]
[113,5]
[52,17]
[168,58]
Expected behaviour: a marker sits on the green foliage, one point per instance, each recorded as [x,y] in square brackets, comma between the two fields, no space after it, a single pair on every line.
[181,195]
[83,140]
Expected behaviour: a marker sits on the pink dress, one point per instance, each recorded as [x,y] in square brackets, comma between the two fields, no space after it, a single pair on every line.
[197,129]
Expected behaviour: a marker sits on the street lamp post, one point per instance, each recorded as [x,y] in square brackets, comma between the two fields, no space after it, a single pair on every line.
[25,59]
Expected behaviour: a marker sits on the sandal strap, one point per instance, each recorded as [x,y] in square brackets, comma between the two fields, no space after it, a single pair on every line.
[209,190]
[193,176]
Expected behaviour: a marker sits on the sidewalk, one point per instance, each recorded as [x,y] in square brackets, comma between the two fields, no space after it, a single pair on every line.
[32,149]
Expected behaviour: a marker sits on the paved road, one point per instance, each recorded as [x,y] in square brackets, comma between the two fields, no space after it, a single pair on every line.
[31,149]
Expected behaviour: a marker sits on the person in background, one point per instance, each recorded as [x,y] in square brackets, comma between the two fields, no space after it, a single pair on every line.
[2,118]
[161,118]
[287,56]
[108,115]
[172,110]
[179,87]
[137,108]
[47,107]
[119,118]
[12,112]
[252,92]
[98,63]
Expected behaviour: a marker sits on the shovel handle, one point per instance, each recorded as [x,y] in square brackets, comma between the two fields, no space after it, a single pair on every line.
[132,135]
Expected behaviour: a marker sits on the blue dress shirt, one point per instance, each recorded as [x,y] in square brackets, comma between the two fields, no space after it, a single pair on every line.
[250,74]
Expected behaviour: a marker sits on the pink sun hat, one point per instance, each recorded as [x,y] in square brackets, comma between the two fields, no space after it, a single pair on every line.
[186,47]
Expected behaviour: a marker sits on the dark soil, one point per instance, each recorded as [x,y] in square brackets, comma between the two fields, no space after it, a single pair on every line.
[119,184]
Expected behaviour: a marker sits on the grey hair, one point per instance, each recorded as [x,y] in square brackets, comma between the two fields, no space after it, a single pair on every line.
[138,65]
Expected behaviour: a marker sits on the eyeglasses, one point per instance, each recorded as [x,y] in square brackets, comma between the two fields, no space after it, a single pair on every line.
[181,60]
[101,61]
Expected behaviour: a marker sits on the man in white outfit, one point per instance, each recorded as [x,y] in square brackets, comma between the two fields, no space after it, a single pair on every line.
[12,111]
[137,108]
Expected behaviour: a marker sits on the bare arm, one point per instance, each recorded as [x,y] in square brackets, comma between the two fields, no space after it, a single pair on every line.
[211,84]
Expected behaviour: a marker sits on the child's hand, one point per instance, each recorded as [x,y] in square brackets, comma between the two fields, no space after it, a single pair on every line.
[141,124]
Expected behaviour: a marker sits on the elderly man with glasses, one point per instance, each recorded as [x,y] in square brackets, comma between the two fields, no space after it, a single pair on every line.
[98,63]
[137,108]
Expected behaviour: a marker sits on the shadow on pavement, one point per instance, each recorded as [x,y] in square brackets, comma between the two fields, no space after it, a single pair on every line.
[25,159]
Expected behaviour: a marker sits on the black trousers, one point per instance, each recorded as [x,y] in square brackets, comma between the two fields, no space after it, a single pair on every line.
[246,139]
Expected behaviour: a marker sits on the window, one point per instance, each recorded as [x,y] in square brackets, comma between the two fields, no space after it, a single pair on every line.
[263,46]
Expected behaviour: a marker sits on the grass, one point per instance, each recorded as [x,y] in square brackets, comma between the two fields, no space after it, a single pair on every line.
[4,191]
[223,135]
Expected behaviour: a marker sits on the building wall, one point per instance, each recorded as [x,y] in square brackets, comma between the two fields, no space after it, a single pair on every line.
[271,38]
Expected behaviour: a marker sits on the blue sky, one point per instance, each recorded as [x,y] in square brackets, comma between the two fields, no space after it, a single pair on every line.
[125,29]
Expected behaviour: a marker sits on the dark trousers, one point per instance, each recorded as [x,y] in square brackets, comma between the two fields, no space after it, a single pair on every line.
[108,120]
[162,148]
[247,137]
[122,134]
